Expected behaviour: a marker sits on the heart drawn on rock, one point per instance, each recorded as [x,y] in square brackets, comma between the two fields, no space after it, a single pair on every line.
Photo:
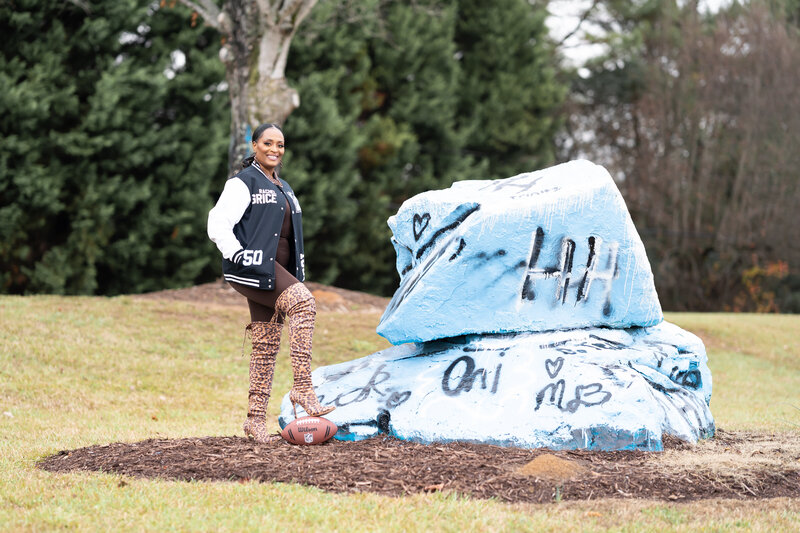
[554,367]
[420,223]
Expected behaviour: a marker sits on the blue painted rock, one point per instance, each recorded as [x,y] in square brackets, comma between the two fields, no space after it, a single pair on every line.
[553,249]
[594,388]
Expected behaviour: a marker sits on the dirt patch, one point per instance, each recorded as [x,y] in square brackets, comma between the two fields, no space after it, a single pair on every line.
[393,467]
[220,293]
[550,467]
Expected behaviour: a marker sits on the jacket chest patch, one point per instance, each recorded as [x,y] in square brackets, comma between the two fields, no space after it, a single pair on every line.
[264,196]
[294,201]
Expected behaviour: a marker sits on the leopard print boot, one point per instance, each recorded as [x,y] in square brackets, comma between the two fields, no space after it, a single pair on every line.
[298,304]
[266,342]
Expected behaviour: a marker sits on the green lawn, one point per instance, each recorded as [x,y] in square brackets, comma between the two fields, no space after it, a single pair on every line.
[81,371]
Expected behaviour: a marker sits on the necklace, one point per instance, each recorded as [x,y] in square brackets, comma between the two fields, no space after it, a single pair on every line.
[269,176]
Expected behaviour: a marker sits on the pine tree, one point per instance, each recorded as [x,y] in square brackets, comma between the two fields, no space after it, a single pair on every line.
[385,77]
[510,94]
[400,98]
[113,152]
[413,143]
[328,64]
[106,162]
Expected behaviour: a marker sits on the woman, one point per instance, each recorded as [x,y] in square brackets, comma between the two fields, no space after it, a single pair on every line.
[256,224]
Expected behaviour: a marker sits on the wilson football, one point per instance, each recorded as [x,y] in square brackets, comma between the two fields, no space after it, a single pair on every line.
[309,430]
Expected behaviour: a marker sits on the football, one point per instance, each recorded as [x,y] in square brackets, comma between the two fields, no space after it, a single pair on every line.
[309,430]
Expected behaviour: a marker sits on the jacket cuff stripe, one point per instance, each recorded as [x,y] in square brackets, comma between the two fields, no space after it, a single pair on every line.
[243,281]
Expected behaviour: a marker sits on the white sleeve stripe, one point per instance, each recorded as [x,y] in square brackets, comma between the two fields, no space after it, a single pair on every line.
[232,204]
[243,281]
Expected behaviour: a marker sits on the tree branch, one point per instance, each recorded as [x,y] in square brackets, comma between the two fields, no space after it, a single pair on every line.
[267,7]
[294,9]
[208,10]
[305,9]
[583,19]
[83,5]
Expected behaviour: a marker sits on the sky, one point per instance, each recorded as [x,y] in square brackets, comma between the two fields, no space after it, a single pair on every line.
[565,15]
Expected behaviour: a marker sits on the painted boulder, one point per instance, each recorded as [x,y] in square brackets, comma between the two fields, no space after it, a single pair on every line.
[553,249]
[594,388]
[530,318]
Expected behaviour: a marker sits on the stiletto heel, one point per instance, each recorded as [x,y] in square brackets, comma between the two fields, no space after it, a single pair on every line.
[298,304]
[308,401]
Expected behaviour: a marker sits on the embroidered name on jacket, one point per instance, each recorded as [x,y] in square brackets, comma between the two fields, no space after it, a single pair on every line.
[264,196]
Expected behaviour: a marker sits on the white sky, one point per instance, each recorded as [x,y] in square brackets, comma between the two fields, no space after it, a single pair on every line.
[565,15]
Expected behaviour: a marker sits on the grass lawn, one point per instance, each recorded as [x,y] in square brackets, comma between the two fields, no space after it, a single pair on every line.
[78,371]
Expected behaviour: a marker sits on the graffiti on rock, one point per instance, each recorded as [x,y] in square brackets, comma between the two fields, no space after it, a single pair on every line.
[587,395]
[563,270]
[420,223]
[690,378]
[460,378]
[517,187]
[392,398]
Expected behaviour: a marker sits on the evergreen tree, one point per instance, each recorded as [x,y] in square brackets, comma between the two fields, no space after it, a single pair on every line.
[106,161]
[510,94]
[412,143]
[113,151]
[328,64]
[399,98]
[385,75]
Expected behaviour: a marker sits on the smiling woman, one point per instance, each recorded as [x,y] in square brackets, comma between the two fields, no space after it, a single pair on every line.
[269,148]
[257,226]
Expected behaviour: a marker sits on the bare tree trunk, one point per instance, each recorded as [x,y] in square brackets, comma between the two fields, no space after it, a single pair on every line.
[256,36]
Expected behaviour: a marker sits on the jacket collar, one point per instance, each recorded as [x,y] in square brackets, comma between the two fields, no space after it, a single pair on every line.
[258,167]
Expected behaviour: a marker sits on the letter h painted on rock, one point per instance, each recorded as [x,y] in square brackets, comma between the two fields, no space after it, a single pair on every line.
[564,274]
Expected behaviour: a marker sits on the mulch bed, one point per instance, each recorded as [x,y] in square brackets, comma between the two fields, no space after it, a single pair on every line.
[393,467]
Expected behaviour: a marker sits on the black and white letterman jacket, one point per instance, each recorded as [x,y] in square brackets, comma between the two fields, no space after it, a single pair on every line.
[245,224]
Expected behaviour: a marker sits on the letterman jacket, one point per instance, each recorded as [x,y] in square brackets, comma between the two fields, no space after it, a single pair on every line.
[245,224]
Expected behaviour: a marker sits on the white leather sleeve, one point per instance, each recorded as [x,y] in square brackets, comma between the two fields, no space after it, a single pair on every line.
[232,204]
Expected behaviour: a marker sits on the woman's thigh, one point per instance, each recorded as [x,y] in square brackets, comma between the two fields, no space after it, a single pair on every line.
[261,302]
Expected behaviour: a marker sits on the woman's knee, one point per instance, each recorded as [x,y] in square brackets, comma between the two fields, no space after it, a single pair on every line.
[297,298]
